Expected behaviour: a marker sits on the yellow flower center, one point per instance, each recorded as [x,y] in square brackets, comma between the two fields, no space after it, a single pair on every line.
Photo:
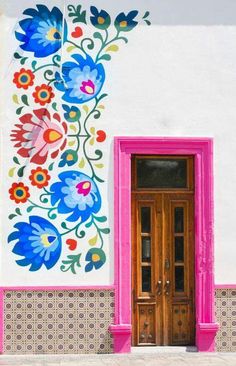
[72,114]
[53,34]
[101,20]
[86,185]
[89,89]
[123,24]
[47,240]
[69,157]
[95,258]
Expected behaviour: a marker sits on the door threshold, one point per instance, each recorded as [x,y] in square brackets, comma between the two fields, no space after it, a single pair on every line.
[164,349]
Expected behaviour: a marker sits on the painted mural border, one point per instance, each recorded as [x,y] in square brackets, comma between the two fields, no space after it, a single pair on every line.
[202,150]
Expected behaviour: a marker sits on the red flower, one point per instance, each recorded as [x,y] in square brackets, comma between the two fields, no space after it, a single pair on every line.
[23,78]
[101,136]
[39,177]
[19,192]
[43,94]
[78,32]
[36,135]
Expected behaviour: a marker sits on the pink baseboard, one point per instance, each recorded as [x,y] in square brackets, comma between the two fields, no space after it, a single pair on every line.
[225,286]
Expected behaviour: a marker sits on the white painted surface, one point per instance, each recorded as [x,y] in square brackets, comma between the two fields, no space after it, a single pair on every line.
[169,80]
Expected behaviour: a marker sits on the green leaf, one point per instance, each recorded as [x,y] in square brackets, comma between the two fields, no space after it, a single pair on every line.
[99,166]
[91,141]
[54,106]
[102,96]
[105,231]
[93,240]
[11,172]
[82,163]
[73,128]
[100,219]
[30,208]
[71,143]
[63,225]
[50,167]
[34,64]
[15,159]
[15,99]
[105,57]
[17,55]
[88,224]
[76,13]
[98,36]
[20,172]
[22,61]
[24,99]
[11,216]
[112,48]
[85,108]
[18,111]
[146,14]
[70,48]
[18,211]
[147,22]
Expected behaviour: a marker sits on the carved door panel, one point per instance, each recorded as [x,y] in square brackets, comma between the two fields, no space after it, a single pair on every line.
[162,267]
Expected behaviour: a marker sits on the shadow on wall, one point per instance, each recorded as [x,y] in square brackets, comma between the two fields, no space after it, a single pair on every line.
[163,12]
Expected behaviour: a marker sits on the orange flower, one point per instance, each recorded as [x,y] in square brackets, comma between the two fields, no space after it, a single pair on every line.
[43,94]
[23,78]
[39,177]
[19,192]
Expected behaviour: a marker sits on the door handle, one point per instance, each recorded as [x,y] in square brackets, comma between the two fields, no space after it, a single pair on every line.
[167,288]
[159,288]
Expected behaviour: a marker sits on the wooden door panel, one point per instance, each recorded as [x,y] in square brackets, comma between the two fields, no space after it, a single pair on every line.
[163,266]
[146,323]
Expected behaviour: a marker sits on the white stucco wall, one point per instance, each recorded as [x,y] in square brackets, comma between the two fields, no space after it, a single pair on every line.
[174,78]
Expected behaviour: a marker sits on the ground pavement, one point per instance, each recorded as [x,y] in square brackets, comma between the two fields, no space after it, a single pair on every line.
[140,359]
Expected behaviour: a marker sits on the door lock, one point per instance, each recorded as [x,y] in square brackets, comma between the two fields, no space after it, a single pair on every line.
[167,288]
[167,264]
[159,288]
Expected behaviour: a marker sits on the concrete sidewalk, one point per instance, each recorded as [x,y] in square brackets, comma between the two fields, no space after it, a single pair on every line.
[141,359]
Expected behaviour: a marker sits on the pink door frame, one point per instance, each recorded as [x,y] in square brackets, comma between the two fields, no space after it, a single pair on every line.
[202,150]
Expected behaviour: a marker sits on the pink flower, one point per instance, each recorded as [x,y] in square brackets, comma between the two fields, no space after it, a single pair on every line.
[36,136]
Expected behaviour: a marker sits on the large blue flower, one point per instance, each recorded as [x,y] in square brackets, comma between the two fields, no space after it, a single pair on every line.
[76,193]
[82,80]
[42,31]
[125,23]
[38,242]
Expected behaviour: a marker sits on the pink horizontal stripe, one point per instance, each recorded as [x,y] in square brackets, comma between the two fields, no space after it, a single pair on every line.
[55,288]
[225,286]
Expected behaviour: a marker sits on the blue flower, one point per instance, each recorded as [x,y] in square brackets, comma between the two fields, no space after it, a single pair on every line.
[42,31]
[100,19]
[69,157]
[38,242]
[82,80]
[125,23]
[76,193]
[72,113]
[96,258]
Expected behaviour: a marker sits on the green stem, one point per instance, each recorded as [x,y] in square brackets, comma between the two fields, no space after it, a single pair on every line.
[77,46]
[38,206]
[99,232]
[43,66]
[102,46]
[70,230]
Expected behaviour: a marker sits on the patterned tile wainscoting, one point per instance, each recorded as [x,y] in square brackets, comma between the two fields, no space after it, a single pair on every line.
[226,317]
[58,321]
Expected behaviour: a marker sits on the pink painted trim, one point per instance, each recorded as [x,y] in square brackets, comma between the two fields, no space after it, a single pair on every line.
[121,337]
[56,288]
[1,321]
[202,150]
[225,286]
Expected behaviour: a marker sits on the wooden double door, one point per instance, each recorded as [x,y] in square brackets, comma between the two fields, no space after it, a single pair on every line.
[162,268]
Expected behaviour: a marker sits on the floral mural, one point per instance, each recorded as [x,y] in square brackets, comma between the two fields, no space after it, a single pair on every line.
[57,169]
